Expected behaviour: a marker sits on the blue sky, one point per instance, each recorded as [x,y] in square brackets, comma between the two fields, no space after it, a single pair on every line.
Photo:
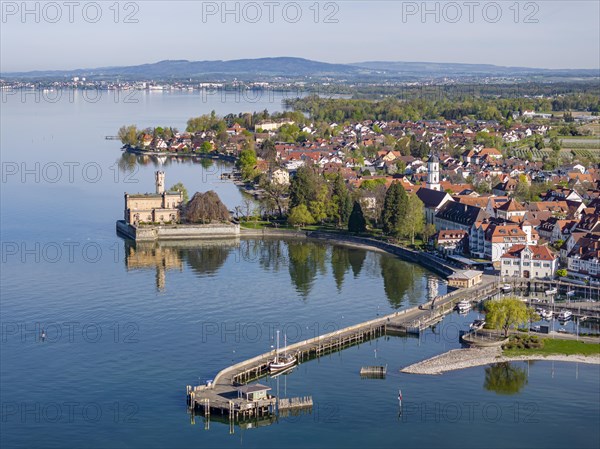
[56,35]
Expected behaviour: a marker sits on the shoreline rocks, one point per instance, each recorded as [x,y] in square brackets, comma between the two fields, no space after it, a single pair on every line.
[457,359]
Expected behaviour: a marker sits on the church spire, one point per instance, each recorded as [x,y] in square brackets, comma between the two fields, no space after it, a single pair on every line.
[433,172]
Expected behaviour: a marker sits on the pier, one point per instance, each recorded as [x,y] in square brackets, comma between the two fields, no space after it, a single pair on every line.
[227,395]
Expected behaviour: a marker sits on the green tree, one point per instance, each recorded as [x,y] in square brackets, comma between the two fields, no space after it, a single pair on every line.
[128,135]
[428,232]
[357,222]
[394,208]
[304,186]
[506,313]
[522,189]
[538,142]
[341,201]
[206,147]
[413,221]
[179,187]
[561,272]
[246,163]
[300,216]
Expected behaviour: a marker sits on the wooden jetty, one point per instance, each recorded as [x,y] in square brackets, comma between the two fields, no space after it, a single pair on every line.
[303,402]
[373,372]
[226,394]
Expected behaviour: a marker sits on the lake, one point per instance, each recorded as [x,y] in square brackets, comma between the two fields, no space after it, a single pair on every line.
[128,326]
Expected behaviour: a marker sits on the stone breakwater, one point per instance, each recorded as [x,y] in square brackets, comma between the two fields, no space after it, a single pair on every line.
[457,359]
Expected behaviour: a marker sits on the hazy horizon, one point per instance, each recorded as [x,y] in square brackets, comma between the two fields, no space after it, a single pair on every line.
[56,36]
[289,56]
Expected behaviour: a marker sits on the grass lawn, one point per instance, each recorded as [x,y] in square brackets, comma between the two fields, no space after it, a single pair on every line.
[555,346]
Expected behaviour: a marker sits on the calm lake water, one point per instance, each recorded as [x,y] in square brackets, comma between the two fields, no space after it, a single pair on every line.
[129,326]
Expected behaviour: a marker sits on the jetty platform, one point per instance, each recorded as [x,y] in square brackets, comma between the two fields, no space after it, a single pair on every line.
[224,396]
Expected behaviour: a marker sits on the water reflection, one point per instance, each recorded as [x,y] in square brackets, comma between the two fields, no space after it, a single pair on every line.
[129,161]
[209,258]
[304,260]
[140,256]
[505,378]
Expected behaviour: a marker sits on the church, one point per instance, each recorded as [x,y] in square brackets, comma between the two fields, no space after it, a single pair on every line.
[431,195]
[433,172]
[161,207]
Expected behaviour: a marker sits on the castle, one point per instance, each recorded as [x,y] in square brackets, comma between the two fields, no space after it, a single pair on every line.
[160,207]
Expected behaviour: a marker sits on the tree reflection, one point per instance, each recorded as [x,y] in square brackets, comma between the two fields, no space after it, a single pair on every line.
[356,257]
[505,378]
[305,261]
[206,163]
[206,259]
[397,278]
[340,263]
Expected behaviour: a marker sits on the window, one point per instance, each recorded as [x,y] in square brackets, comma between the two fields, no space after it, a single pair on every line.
[546,265]
[526,264]
[507,262]
[536,264]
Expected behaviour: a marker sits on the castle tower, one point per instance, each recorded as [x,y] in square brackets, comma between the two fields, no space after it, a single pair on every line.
[160,182]
[433,172]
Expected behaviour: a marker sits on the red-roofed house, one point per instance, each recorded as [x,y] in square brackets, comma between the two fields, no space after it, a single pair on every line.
[531,261]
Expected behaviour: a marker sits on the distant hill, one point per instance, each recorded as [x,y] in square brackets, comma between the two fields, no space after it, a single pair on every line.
[282,66]
[288,67]
[441,68]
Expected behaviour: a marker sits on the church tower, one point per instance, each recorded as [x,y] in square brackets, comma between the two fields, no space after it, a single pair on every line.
[433,172]
[160,182]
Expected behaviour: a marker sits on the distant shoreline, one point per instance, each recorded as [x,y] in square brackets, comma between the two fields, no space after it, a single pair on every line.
[457,359]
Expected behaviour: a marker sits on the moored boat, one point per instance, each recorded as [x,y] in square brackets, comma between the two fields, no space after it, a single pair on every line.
[565,315]
[281,362]
[463,306]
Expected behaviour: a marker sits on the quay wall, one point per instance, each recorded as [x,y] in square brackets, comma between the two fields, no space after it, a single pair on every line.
[149,233]
[424,259]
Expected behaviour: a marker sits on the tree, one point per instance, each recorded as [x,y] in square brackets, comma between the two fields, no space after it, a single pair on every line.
[305,186]
[300,216]
[128,135]
[522,189]
[246,163]
[394,208]
[428,232]
[561,273]
[538,142]
[414,218]
[357,222]
[275,194]
[206,208]
[506,313]
[179,187]
[341,201]
[206,147]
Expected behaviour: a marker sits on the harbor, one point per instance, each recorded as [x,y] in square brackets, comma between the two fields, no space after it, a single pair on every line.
[228,394]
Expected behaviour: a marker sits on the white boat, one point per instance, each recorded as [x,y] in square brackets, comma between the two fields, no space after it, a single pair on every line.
[477,324]
[463,306]
[565,315]
[506,288]
[545,314]
[281,362]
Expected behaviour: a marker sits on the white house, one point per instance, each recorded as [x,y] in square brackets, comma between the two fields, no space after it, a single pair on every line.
[528,261]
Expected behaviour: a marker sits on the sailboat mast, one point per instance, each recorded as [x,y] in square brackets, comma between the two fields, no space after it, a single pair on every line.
[277,353]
